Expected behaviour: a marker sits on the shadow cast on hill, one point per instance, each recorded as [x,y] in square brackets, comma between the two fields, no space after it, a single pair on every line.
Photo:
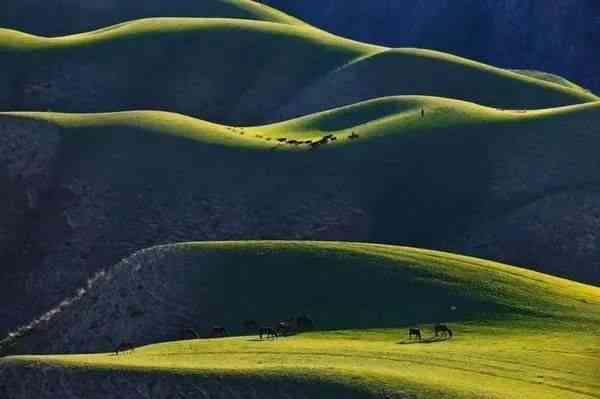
[431,340]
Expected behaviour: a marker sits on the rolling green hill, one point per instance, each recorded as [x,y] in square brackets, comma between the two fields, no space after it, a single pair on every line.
[233,132]
[73,16]
[242,72]
[518,333]
[471,179]
[549,77]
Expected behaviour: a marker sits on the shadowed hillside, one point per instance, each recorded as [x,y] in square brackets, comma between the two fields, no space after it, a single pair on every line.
[63,17]
[89,189]
[242,72]
[556,36]
[361,297]
[175,175]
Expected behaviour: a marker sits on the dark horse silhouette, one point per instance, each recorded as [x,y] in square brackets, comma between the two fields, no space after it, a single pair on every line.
[267,332]
[414,332]
[304,323]
[285,328]
[442,330]
[218,332]
[124,346]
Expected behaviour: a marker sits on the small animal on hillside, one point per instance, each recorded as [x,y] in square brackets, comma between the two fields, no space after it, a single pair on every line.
[414,332]
[125,346]
[304,323]
[442,330]
[267,332]
[250,325]
[285,328]
[282,139]
[218,332]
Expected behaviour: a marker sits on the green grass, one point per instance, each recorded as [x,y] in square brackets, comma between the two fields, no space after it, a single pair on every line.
[233,70]
[12,40]
[249,10]
[433,73]
[395,144]
[85,17]
[550,77]
[383,119]
[518,333]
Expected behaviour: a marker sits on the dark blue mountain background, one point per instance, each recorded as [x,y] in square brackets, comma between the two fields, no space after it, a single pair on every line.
[557,36]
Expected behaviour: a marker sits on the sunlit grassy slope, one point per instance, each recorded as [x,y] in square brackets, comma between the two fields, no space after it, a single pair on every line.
[373,119]
[243,71]
[73,16]
[414,157]
[550,77]
[519,334]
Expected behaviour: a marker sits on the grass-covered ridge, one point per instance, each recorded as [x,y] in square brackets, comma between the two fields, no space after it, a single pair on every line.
[149,27]
[518,333]
[372,119]
[224,70]
[73,16]
[413,156]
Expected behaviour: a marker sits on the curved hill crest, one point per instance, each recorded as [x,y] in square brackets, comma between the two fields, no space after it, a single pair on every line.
[86,172]
[266,72]
[165,293]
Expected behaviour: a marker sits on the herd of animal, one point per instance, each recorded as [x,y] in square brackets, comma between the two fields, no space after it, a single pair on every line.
[289,327]
[313,144]
[439,330]
[282,329]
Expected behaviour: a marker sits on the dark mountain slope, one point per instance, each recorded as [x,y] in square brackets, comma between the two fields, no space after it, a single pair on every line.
[243,72]
[559,36]
[465,178]
[63,17]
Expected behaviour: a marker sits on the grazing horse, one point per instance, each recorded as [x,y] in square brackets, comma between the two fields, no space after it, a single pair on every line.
[304,323]
[124,346]
[442,330]
[414,332]
[250,325]
[218,332]
[267,332]
[285,328]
